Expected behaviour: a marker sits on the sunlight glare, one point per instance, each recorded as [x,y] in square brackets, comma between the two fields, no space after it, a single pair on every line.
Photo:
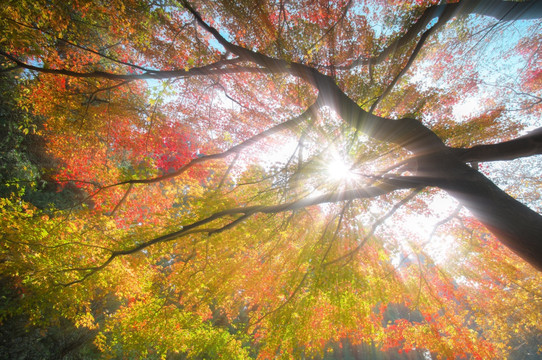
[339,170]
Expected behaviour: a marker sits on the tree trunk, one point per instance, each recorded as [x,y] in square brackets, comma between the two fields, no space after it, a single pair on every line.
[513,223]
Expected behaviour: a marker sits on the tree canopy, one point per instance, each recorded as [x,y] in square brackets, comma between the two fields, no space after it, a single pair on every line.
[271,179]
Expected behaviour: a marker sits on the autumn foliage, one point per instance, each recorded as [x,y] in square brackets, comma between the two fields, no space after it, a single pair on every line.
[302,179]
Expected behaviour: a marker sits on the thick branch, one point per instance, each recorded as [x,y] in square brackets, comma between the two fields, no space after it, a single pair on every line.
[273,65]
[498,9]
[502,9]
[428,15]
[408,133]
[524,146]
[443,18]
[211,69]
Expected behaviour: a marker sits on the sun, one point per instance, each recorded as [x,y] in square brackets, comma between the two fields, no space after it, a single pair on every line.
[339,170]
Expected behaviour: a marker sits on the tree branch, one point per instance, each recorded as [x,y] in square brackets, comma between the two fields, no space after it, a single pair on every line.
[524,146]
[428,15]
[246,212]
[206,70]
[341,18]
[79,46]
[289,124]
[375,226]
[443,19]
[499,9]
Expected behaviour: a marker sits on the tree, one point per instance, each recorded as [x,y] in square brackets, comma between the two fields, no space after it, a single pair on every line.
[243,162]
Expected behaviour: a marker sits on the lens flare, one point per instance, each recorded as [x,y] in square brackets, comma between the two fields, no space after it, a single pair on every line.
[339,170]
